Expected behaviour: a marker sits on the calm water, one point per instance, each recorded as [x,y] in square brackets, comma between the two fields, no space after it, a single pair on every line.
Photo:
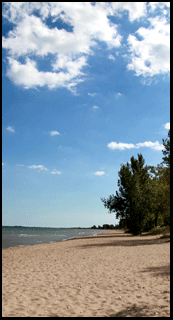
[28,236]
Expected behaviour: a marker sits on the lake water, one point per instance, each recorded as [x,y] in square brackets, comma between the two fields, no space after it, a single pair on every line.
[28,236]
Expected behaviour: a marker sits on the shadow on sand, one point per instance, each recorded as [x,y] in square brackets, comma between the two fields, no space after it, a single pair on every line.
[135,311]
[119,235]
[159,271]
[126,243]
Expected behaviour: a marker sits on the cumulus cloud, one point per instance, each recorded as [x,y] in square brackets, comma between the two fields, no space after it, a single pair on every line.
[122,146]
[167,125]
[153,145]
[135,10]
[158,5]
[28,76]
[99,173]
[151,54]
[54,133]
[32,37]
[68,48]
[11,129]
[41,167]
[2,164]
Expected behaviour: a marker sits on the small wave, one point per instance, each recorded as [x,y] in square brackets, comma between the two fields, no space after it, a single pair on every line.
[28,235]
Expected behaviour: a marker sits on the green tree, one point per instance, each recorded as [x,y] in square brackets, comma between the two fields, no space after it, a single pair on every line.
[143,200]
[160,194]
[166,151]
[165,181]
[131,202]
[160,187]
[155,186]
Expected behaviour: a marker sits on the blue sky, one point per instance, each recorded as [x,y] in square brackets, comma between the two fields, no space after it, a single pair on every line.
[85,86]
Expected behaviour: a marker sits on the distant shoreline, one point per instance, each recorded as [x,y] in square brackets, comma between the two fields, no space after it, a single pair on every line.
[48,227]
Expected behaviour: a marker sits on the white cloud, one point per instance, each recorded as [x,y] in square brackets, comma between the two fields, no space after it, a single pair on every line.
[28,76]
[89,24]
[167,126]
[122,146]
[41,167]
[55,172]
[111,57]
[153,145]
[135,10]
[11,129]
[69,50]
[71,65]
[95,108]
[155,5]
[92,94]
[99,173]
[2,164]
[54,133]
[118,95]
[151,55]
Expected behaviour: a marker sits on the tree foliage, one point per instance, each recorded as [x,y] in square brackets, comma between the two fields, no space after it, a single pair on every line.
[166,151]
[143,199]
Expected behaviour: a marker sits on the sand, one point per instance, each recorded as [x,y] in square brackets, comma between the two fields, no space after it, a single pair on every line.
[108,275]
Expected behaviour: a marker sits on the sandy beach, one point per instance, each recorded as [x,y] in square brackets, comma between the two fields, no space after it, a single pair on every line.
[110,275]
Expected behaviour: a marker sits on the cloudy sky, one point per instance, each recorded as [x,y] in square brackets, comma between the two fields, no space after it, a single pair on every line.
[85,86]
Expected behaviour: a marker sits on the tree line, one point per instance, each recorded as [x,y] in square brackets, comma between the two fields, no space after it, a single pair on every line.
[105,226]
[143,199]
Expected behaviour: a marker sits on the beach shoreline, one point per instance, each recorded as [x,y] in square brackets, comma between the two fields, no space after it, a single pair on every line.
[18,236]
[111,274]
